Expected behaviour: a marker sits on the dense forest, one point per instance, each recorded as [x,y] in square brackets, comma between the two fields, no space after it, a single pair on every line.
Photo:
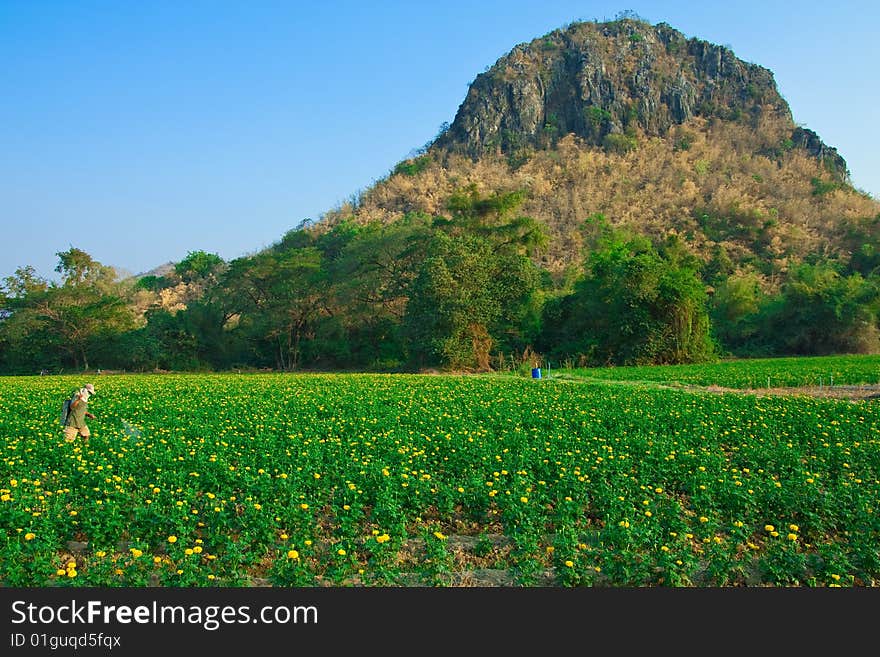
[460,290]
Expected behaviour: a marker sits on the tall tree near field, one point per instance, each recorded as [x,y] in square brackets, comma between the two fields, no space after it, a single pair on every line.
[465,296]
[280,296]
[87,306]
[635,305]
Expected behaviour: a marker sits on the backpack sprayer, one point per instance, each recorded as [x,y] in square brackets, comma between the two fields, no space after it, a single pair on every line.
[131,432]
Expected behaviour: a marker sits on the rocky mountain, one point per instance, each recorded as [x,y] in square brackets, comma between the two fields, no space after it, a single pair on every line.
[593,81]
[667,134]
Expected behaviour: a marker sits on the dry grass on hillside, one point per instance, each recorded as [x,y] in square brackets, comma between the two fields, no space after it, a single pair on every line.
[713,167]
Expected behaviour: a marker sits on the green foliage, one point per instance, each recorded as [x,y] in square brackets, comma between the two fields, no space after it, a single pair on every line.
[78,268]
[597,115]
[685,141]
[635,305]
[751,373]
[821,311]
[153,283]
[467,299]
[412,166]
[198,265]
[492,217]
[355,479]
[735,312]
[823,187]
[61,325]
[619,143]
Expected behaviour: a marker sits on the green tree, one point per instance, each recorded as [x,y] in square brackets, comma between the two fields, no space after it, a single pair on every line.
[735,310]
[467,297]
[65,323]
[635,305]
[372,278]
[199,266]
[495,218]
[279,298]
[820,311]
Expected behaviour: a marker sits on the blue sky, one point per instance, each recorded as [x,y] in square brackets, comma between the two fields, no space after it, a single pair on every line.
[142,131]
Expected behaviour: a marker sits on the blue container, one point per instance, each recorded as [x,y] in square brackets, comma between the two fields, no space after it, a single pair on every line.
[536,372]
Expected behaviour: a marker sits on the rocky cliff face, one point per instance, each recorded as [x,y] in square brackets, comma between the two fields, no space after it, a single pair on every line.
[608,82]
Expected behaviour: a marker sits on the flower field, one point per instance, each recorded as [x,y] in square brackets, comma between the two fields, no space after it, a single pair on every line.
[752,373]
[307,480]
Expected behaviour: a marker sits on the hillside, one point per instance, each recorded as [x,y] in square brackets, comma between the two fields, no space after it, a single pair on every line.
[607,194]
[656,131]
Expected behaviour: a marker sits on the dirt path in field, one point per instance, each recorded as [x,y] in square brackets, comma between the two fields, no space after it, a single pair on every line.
[865,392]
[851,393]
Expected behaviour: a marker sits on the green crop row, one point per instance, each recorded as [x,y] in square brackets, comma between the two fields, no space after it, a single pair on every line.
[751,373]
[198,480]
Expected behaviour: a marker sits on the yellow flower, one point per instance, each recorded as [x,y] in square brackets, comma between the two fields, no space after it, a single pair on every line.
[774,534]
[61,572]
[383,538]
[340,552]
[769,528]
[648,514]
[30,536]
[100,553]
[157,559]
[308,541]
[704,519]
[835,577]
[71,564]
[793,527]
[197,549]
[135,552]
[188,551]
[569,563]
[292,554]
[550,548]
[284,537]
[303,506]
[440,535]
[172,539]
[524,499]
[792,537]
[71,572]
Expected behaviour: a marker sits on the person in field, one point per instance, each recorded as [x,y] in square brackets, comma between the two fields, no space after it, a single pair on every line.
[75,424]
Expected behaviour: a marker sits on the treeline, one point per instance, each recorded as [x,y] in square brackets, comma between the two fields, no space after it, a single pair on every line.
[455,291]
